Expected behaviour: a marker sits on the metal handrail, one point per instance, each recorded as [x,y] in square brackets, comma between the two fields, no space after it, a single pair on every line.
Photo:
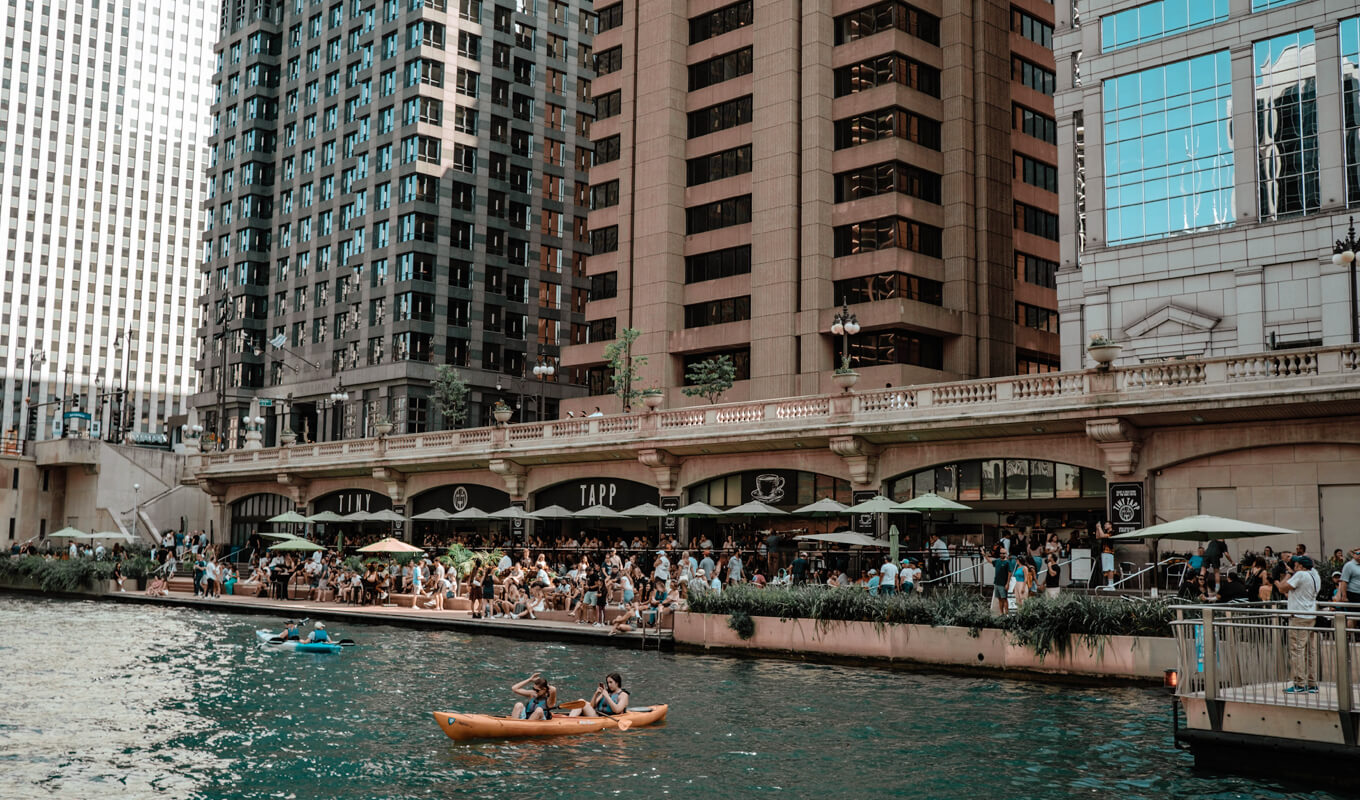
[1111,587]
[980,565]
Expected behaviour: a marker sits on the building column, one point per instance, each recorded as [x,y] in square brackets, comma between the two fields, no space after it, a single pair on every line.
[1331,140]
[1244,146]
[1251,312]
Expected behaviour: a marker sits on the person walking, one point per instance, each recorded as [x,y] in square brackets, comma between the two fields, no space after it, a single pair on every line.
[1300,590]
[939,559]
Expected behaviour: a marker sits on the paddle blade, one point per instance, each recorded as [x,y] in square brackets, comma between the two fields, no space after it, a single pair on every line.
[276,640]
[572,705]
[625,724]
[348,643]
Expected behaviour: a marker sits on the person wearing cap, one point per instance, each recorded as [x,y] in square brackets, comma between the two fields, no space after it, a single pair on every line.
[1301,590]
[734,573]
[910,575]
[1348,588]
[699,583]
[873,582]
[292,631]
[318,633]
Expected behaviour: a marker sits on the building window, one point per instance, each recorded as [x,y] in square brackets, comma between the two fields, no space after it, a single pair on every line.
[720,21]
[604,286]
[1262,5]
[717,166]
[720,214]
[887,233]
[1036,221]
[741,361]
[609,105]
[890,176]
[719,69]
[607,149]
[604,195]
[888,286]
[1002,479]
[717,312]
[1157,20]
[1032,28]
[893,347]
[1169,162]
[604,240]
[1036,317]
[1035,365]
[607,61]
[718,264]
[887,69]
[1286,125]
[607,19]
[1036,271]
[1350,103]
[1036,173]
[1034,76]
[887,123]
[720,117]
[1032,123]
[886,16]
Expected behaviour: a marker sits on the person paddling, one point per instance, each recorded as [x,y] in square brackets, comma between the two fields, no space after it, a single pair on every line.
[541,698]
[318,633]
[291,631]
[609,698]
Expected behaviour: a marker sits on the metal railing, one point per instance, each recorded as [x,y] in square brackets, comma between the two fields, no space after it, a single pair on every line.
[1240,652]
[1149,568]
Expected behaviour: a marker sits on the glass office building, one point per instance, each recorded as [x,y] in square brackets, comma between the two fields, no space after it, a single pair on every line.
[1209,155]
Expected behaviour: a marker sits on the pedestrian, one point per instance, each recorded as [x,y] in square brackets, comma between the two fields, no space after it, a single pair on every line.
[1301,590]
[799,570]
[1052,577]
[1348,585]
[939,559]
[887,577]
[1002,567]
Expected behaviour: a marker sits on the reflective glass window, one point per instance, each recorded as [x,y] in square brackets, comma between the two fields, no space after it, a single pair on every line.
[1286,125]
[1158,20]
[1262,5]
[1168,149]
[1350,100]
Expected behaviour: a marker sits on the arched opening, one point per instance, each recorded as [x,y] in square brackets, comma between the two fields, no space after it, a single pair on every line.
[355,534]
[453,498]
[252,513]
[615,494]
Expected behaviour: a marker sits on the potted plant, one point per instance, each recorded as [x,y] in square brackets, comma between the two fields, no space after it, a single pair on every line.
[288,437]
[501,411]
[652,397]
[844,377]
[382,424]
[1103,350]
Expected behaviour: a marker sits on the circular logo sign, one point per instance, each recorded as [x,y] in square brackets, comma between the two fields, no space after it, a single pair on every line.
[460,498]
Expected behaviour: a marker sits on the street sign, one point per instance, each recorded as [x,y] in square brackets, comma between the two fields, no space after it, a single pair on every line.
[266,402]
[85,415]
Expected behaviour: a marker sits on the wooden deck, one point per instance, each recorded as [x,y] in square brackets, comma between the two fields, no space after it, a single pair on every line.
[1273,694]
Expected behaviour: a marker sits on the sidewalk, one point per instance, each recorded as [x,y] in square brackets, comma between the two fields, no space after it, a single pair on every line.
[279,610]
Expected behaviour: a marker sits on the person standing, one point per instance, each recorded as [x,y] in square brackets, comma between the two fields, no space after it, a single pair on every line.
[939,559]
[799,569]
[734,573]
[1301,589]
[1002,567]
[1052,577]
[887,577]
[1348,587]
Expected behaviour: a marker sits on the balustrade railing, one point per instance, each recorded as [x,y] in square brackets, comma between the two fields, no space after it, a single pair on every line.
[905,403]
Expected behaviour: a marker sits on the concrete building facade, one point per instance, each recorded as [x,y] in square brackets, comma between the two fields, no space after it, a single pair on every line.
[1210,158]
[394,186]
[105,125]
[760,164]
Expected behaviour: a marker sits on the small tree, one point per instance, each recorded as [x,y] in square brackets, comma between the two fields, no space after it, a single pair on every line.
[450,395]
[623,365]
[710,378]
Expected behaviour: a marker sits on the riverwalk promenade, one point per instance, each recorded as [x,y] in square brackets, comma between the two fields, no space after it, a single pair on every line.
[404,616]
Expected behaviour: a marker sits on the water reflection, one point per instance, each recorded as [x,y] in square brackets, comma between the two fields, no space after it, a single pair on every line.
[150,702]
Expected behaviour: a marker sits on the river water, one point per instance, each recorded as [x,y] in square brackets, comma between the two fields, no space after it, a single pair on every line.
[122,701]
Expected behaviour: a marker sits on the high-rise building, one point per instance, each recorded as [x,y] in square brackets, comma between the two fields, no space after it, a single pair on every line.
[104,109]
[760,164]
[1210,154]
[393,185]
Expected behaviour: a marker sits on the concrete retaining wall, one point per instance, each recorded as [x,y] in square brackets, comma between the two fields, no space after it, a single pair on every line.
[1124,657]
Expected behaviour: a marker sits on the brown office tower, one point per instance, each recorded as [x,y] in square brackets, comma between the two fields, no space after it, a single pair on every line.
[759,164]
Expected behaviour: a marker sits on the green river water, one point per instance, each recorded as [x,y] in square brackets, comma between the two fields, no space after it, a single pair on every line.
[103,700]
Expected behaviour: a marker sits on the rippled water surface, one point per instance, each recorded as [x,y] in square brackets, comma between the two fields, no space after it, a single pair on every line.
[111,701]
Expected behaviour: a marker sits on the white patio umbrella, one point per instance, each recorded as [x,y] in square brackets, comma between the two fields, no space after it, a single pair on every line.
[646,511]
[470,513]
[1200,528]
[754,508]
[288,516]
[598,512]
[325,516]
[930,502]
[826,507]
[386,515]
[433,515]
[696,509]
[71,533]
[879,504]
[552,512]
[358,516]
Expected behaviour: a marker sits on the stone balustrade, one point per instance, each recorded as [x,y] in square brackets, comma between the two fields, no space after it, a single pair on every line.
[1295,372]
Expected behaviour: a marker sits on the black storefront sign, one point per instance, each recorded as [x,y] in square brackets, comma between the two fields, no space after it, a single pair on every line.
[1126,506]
[398,527]
[670,525]
[613,493]
[517,524]
[350,501]
[864,523]
[460,497]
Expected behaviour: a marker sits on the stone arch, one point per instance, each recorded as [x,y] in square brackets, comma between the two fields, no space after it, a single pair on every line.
[250,512]
[347,501]
[821,460]
[447,496]
[1073,448]
[324,486]
[1171,447]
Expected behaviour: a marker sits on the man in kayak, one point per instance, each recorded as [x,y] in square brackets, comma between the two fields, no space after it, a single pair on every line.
[318,634]
[609,698]
[291,631]
[541,698]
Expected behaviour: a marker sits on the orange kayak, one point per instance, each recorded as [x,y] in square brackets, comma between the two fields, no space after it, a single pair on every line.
[484,726]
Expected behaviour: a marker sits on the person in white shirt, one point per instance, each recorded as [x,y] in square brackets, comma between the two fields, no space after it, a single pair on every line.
[662,566]
[939,557]
[74,551]
[1301,588]
[887,577]
[504,564]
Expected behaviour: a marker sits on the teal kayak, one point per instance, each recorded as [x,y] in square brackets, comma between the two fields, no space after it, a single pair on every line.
[270,638]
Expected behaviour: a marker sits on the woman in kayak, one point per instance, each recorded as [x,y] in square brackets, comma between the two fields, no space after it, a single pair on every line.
[609,698]
[291,631]
[541,698]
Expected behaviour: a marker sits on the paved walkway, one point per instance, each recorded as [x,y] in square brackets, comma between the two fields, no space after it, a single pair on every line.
[406,617]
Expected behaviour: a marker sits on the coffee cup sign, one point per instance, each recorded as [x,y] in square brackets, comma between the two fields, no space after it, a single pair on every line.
[769,488]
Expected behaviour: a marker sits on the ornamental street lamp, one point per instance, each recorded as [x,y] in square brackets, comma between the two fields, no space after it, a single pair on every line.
[338,397]
[1344,253]
[845,325]
[542,370]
